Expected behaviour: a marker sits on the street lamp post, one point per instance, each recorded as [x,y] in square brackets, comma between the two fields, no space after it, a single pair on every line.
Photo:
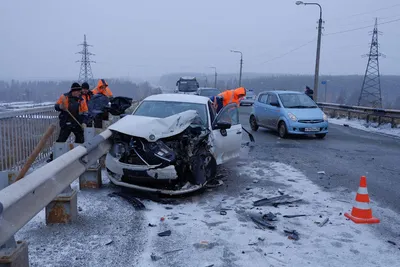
[318,47]
[241,65]
[215,76]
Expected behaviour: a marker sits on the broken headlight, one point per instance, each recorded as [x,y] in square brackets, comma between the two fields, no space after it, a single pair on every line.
[117,150]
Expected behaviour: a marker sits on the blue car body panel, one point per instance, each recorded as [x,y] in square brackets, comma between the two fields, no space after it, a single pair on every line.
[308,120]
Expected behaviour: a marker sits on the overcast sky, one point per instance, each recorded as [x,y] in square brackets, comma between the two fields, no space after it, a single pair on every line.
[152,37]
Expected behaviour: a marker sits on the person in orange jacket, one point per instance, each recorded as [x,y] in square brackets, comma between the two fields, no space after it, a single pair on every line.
[73,109]
[102,88]
[232,96]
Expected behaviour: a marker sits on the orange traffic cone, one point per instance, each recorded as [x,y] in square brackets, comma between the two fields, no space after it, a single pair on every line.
[362,212]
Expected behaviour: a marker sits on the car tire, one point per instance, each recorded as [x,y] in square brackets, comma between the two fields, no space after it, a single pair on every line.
[321,136]
[282,130]
[253,123]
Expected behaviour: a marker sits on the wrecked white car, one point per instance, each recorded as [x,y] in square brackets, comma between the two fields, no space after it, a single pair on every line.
[172,144]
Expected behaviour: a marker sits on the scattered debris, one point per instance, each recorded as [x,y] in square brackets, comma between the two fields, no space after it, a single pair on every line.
[212,265]
[223,212]
[214,183]
[255,181]
[152,225]
[391,242]
[275,201]
[261,239]
[134,201]
[175,218]
[262,223]
[294,216]
[346,125]
[168,208]
[109,242]
[154,257]
[173,251]
[280,191]
[294,235]
[324,222]
[162,219]
[292,180]
[269,217]
[321,172]
[165,233]
[79,209]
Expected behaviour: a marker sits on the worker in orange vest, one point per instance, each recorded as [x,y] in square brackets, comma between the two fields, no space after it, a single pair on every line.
[102,88]
[233,96]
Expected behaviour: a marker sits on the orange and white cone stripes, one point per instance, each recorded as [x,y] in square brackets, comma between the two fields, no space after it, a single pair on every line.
[362,212]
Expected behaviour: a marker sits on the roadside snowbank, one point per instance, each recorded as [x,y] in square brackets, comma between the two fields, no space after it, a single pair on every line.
[371,127]
[204,236]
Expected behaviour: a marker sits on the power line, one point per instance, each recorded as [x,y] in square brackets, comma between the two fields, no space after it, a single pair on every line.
[367,12]
[287,53]
[360,28]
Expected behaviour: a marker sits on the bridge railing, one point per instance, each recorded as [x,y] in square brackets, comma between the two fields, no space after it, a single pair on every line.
[369,114]
[20,131]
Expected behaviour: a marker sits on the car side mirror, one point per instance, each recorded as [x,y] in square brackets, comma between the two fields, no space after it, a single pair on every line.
[275,104]
[223,125]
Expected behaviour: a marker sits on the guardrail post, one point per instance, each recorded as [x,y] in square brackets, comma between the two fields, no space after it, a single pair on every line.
[91,178]
[12,254]
[64,208]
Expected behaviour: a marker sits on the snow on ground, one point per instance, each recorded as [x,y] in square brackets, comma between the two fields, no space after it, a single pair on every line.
[86,242]
[202,236]
[205,237]
[370,127]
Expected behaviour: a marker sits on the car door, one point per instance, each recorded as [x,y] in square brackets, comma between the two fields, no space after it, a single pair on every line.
[274,110]
[260,109]
[226,142]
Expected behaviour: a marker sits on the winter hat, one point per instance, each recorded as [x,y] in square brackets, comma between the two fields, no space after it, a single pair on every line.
[85,85]
[76,87]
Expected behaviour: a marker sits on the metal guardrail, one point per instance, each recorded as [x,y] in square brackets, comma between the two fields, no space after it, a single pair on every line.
[21,201]
[378,115]
[20,131]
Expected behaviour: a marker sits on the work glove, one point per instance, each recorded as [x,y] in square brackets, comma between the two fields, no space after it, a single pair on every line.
[62,107]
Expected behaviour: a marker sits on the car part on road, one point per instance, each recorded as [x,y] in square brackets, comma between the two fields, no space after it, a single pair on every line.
[275,201]
[152,225]
[270,217]
[324,222]
[253,123]
[135,202]
[294,235]
[262,223]
[251,137]
[165,233]
[154,257]
[294,216]
[282,129]
[223,212]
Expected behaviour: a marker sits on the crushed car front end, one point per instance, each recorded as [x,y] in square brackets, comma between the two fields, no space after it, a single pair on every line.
[172,157]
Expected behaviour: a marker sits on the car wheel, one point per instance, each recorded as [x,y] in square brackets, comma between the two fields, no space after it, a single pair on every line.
[321,136]
[253,123]
[282,130]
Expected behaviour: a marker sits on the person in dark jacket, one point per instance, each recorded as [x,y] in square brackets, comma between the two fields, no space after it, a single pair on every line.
[73,110]
[86,93]
[308,91]
[217,103]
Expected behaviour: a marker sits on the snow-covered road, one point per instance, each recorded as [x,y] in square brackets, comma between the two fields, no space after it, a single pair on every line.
[202,236]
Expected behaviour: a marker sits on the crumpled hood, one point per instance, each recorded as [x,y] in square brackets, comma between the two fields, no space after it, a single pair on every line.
[144,127]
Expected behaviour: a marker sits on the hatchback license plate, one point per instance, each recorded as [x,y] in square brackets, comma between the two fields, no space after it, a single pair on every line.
[311,129]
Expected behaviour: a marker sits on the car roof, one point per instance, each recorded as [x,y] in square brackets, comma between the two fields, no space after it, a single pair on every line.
[178,98]
[282,92]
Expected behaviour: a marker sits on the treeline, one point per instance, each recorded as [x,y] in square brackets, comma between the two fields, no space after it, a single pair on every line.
[343,89]
[43,91]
